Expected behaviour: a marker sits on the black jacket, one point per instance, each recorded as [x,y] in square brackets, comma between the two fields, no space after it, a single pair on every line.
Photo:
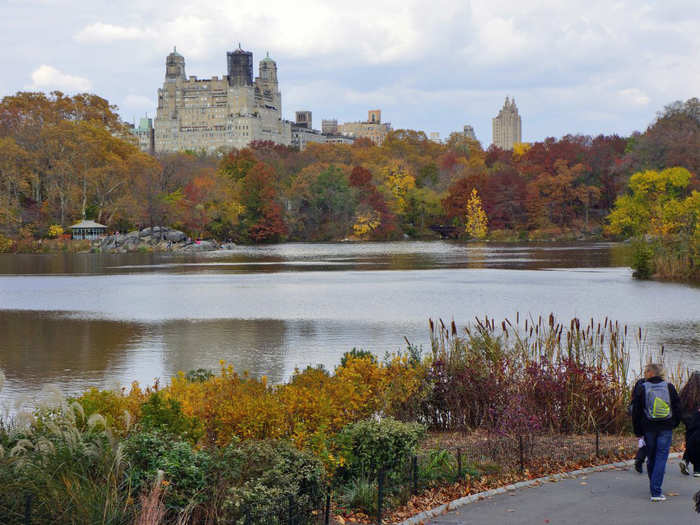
[641,423]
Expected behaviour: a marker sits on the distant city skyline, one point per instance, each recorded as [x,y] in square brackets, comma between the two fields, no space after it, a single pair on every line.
[572,67]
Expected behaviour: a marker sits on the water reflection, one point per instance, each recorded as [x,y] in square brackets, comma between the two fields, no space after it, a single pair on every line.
[325,257]
[99,320]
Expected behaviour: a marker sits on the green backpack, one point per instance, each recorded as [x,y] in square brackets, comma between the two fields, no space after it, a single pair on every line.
[658,401]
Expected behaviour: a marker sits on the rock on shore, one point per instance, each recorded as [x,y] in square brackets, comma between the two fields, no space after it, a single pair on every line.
[156,239]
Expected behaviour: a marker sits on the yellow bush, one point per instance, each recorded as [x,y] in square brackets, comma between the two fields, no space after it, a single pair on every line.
[55,230]
[308,410]
[5,244]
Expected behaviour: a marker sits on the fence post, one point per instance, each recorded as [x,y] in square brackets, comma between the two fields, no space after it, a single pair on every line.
[522,453]
[414,467]
[290,515]
[28,509]
[327,517]
[459,463]
[597,443]
[380,495]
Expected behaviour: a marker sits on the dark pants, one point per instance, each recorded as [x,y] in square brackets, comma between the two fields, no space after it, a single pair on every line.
[658,446]
[692,449]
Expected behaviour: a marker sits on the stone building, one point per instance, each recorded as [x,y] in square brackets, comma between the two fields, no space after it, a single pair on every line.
[507,126]
[469,132]
[220,112]
[303,132]
[329,126]
[145,134]
[373,129]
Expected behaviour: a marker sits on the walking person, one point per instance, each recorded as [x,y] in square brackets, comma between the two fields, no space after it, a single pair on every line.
[690,415]
[656,410]
[641,448]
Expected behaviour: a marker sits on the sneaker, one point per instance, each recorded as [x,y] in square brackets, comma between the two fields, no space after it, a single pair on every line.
[696,474]
[684,468]
[638,465]
[658,498]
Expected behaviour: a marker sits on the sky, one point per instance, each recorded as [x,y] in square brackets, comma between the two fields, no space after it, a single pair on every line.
[585,67]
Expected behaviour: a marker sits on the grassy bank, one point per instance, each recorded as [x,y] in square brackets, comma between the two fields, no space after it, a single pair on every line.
[229,448]
[31,245]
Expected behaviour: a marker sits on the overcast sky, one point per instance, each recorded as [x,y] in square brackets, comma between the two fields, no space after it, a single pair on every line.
[573,66]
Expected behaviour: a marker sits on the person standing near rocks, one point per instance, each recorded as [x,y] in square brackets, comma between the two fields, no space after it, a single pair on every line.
[656,411]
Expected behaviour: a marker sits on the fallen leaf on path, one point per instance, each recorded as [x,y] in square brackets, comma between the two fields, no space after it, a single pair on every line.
[584,483]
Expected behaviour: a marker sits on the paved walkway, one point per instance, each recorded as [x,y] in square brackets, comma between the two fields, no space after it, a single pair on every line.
[614,497]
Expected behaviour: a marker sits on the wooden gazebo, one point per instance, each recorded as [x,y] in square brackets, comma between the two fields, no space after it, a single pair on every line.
[89,230]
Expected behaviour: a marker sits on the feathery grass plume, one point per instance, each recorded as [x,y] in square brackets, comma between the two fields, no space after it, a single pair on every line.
[153,509]
[569,377]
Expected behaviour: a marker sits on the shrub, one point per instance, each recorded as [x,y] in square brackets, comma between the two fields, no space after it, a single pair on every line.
[642,260]
[71,466]
[374,444]
[185,470]
[6,245]
[165,415]
[200,375]
[264,478]
[356,353]
[360,493]
[55,231]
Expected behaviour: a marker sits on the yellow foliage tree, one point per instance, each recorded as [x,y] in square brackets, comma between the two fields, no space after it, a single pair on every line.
[365,224]
[659,204]
[476,221]
[520,149]
[399,181]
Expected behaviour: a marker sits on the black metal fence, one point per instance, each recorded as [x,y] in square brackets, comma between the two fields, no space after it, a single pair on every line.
[385,487]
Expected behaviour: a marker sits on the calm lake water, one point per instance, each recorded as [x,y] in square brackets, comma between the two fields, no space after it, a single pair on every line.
[104,320]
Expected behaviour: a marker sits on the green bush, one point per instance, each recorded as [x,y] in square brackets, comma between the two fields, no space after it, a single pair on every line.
[264,477]
[372,444]
[642,260]
[199,375]
[185,469]
[360,493]
[163,414]
[357,354]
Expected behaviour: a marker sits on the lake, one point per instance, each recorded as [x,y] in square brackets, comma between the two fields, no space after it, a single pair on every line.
[86,320]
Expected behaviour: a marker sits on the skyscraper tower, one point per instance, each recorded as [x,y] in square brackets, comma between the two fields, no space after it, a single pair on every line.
[240,67]
[175,66]
[507,126]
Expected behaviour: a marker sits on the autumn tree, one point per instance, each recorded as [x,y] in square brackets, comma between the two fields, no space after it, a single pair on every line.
[658,203]
[476,221]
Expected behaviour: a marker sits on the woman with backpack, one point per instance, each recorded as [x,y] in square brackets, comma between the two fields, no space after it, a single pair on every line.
[656,411]
[690,415]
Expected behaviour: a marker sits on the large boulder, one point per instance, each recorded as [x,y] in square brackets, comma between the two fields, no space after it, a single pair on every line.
[175,236]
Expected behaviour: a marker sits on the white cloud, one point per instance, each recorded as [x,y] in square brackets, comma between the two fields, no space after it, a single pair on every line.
[106,33]
[139,102]
[634,96]
[573,65]
[47,77]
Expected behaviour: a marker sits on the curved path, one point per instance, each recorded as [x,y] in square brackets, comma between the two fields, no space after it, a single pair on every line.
[613,497]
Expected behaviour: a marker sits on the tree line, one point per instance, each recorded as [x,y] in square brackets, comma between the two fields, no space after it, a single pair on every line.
[64,158]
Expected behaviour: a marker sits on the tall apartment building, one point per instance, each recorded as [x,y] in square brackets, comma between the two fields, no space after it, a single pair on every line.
[507,126]
[373,129]
[220,112]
